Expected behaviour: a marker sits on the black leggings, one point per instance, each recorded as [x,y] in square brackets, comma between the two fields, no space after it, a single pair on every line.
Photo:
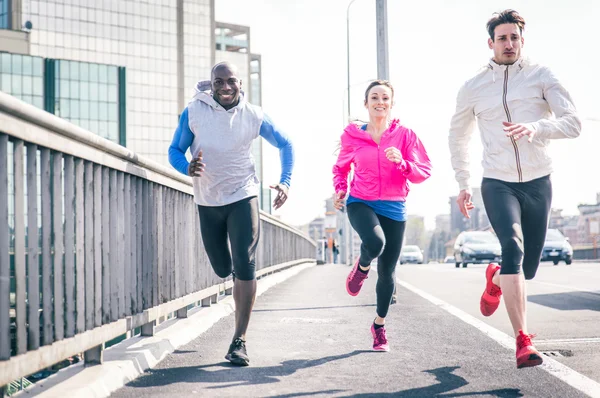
[239,220]
[381,237]
[518,212]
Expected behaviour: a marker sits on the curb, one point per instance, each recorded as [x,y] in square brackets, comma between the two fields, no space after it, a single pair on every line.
[126,361]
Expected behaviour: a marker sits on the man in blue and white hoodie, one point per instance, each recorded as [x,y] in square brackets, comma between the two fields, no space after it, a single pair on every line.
[218,127]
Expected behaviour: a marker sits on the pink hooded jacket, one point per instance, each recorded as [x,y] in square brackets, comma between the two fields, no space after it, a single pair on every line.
[375,177]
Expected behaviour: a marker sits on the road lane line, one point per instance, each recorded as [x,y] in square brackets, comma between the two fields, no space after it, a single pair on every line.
[582,340]
[555,368]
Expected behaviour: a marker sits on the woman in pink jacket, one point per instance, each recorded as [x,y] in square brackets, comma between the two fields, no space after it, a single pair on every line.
[386,156]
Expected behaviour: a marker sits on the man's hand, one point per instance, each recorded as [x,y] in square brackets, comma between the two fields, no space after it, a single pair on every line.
[196,166]
[338,200]
[518,130]
[393,154]
[282,195]
[464,202]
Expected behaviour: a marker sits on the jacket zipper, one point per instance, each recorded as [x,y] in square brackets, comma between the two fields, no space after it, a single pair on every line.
[512,139]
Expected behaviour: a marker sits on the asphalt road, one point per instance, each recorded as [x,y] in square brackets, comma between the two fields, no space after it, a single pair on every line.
[563,306]
[309,338]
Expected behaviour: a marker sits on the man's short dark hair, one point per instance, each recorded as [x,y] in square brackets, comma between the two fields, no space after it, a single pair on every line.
[506,16]
[224,64]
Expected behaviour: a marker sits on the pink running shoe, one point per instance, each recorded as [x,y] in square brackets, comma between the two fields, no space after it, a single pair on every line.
[380,342]
[355,280]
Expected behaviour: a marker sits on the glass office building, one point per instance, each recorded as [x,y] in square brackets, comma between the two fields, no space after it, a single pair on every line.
[156,49]
[165,47]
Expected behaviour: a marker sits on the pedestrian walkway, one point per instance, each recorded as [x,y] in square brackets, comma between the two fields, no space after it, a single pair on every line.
[307,337]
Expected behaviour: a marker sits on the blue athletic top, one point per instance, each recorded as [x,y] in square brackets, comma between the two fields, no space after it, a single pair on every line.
[394,210]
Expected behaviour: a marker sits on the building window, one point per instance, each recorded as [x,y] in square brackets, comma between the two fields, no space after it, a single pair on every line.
[91,96]
[22,76]
[5,14]
[233,38]
[255,79]
[88,95]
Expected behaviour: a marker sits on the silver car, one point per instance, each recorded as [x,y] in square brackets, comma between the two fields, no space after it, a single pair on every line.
[476,247]
[411,254]
[557,248]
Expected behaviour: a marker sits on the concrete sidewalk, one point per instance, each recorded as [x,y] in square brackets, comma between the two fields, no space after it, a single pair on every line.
[309,338]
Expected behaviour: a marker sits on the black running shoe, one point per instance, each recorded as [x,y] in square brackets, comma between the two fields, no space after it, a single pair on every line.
[237,354]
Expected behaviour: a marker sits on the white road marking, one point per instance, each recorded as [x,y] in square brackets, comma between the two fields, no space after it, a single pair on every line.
[582,340]
[555,368]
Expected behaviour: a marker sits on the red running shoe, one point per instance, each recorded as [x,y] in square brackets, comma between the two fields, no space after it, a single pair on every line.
[527,355]
[490,299]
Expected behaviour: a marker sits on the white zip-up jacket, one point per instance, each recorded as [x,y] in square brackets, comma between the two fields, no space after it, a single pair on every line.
[519,93]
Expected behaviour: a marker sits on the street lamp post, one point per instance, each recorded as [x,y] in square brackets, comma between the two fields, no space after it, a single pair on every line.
[382,73]
[348,52]
[346,230]
[383,64]
[382,44]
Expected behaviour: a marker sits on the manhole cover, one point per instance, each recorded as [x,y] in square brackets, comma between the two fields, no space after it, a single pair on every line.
[558,353]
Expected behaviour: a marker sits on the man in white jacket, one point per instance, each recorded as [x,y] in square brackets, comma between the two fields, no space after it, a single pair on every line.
[519,106]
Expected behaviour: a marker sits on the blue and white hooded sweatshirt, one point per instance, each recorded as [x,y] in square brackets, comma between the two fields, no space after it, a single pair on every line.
[225,138]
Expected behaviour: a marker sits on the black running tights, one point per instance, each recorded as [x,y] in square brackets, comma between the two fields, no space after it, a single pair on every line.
[381,238]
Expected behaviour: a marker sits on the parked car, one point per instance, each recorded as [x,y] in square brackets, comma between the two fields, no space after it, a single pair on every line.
[411,254]
[476,247]
[557,248]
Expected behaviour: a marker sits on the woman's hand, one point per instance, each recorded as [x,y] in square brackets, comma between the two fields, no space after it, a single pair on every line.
[393,154]
[339,200]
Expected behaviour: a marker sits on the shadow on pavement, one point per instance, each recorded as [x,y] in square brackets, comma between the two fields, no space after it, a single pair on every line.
[226,375]
[315,308]
[568,301]
[447,381]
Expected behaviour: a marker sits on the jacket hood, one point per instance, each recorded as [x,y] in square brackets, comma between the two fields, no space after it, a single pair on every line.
[354,130]
[203,93]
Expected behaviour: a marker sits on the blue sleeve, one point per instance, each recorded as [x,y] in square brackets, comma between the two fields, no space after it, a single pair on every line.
[281,141]
[182,140]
